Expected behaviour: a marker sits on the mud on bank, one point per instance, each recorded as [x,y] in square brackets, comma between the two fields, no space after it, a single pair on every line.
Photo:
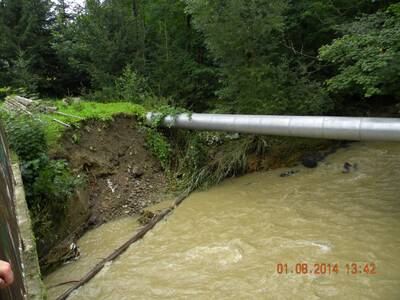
[122,177]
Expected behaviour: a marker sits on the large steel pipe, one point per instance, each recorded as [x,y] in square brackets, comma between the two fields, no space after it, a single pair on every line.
[338,128]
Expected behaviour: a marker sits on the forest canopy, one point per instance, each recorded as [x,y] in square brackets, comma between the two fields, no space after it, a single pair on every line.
[308,57]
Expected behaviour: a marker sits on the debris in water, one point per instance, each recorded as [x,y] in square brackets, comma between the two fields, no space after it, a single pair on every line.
[146,217]
[348,167]
[289,173]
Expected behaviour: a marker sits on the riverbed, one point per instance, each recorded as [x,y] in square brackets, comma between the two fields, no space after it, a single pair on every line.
[317,234]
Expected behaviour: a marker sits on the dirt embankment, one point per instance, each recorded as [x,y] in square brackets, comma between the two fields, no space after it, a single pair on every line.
[123,178]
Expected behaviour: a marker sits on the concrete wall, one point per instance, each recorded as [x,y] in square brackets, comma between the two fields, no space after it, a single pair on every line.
[32,277]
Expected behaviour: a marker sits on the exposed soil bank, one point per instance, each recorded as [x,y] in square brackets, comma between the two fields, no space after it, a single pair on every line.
[122,176]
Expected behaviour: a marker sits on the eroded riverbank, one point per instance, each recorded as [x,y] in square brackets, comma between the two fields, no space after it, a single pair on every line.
[227,242]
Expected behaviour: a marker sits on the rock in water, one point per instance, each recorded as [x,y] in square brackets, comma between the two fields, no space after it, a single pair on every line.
[309,163]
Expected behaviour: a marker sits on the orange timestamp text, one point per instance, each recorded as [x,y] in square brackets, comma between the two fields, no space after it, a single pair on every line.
[326,268]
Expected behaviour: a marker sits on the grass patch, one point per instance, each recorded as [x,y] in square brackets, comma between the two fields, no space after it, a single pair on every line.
[85,110]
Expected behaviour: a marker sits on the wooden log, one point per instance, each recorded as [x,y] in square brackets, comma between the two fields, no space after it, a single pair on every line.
[51,108]
[17,106]
[124,247]
[24,101]
[16,103]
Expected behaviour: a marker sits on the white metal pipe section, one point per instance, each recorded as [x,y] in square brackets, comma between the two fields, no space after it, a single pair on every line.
[338,128]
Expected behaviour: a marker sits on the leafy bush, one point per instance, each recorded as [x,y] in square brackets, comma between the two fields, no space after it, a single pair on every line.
[55,185]
[4,92]
[273,89]
[156,141]
[367,56]
[129,87]
[159,146]
[26,136]
[166,110]
[48,183]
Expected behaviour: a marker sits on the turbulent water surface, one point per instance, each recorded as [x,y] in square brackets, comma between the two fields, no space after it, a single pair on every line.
[330,235]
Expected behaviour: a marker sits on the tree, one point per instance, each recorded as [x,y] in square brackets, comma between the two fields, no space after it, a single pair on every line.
[367,56]
[25,28]
[102,41]
[176,49]
[258,75]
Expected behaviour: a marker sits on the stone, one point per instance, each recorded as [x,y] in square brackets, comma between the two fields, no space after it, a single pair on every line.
[137,172]
[309,163]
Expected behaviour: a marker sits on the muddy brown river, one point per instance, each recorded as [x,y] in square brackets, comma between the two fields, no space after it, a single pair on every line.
[318,234]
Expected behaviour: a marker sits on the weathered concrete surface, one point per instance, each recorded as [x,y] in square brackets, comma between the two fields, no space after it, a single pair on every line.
[31,270]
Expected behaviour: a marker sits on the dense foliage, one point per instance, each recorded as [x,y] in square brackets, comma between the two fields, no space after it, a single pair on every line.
[258,56]
[48,183]
[311,57]
[367,56]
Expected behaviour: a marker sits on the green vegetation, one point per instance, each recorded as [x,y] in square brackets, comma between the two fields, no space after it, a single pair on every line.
[309,57]
[48,183]
[208,158]
[272,57]
[159,146]
[367,56]
[85,110]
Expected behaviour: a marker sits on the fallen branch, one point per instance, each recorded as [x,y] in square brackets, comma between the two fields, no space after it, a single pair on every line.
[62,123]
[66,115]
[27,106]
[62,283]
[124,247]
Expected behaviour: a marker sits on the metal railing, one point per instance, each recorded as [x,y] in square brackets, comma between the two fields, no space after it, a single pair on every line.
[10,239]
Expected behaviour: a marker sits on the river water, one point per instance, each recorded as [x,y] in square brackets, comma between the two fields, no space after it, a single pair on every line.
[318,234]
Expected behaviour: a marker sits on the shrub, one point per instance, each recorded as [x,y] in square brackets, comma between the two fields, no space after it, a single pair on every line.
[367,56]
[48,183]
[26,136]
[54,185]
[4,92]
[159,146]
[131,87]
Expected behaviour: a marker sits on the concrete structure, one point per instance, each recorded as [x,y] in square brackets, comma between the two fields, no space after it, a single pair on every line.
[31,270]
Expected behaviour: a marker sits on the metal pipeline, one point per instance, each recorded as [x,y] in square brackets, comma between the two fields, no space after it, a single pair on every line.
[338,128]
